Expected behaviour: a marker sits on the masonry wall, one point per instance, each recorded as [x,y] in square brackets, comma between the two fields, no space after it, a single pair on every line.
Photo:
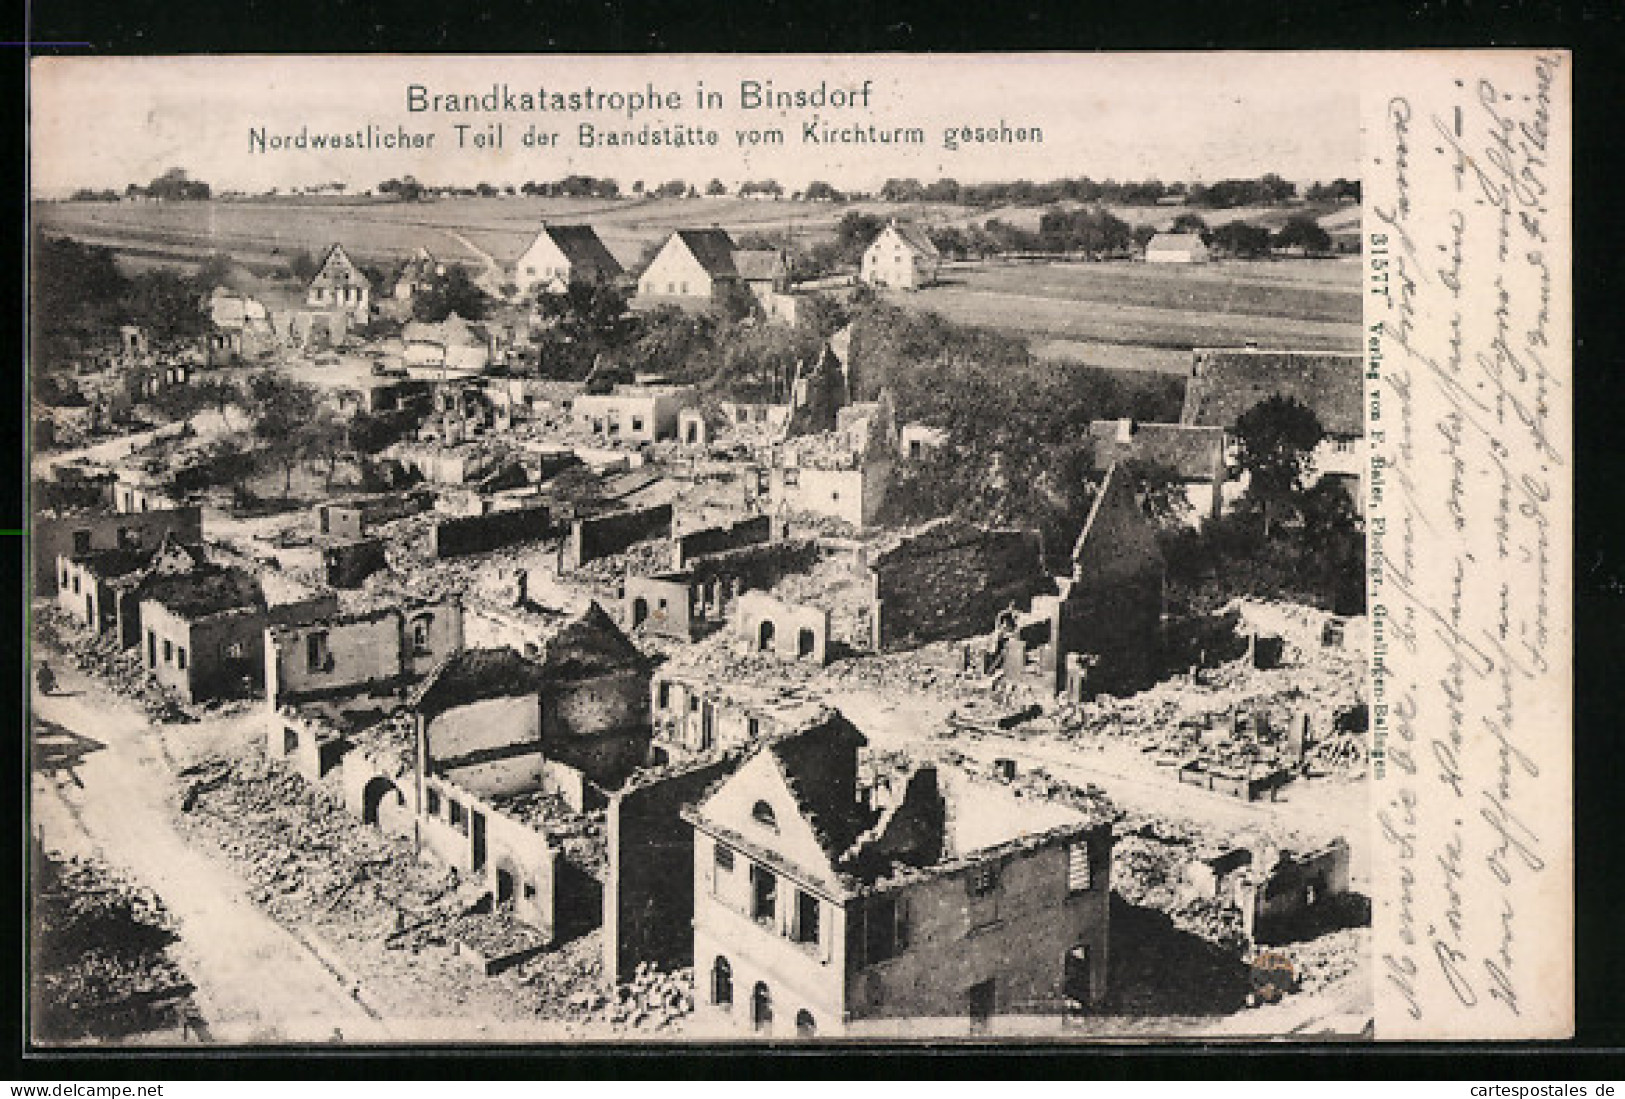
[660,605]
[1018,938]
[511,847]
[348,564]
[54,537]
[211,670]
[759,566]
[746,532]
[798,976]
[483,533]
[603,535]
[797,631]
[952,582]
[649,897]
[1120,625]
[599,726]
[360,654]
[494,745]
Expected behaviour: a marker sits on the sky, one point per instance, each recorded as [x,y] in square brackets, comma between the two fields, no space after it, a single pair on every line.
[105,122]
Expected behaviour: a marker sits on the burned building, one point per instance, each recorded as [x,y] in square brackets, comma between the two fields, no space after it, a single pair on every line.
[204,628]
[1101,633]
[828,904]
[510,746]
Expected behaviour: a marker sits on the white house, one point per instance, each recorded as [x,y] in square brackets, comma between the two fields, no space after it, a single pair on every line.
[562,254]
[693,266]
[902,256]
[339,284]
[1176,248]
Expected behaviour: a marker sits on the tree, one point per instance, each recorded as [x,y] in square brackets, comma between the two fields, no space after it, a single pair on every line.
[452,291]
[225,463]
[325,439]
[167,305]
[180,402]
[716,187]
[1192,223]
[174,185]
[819,191]
[1275,440]
[1303,232]
[282,407]
[1237,238]
[219,393]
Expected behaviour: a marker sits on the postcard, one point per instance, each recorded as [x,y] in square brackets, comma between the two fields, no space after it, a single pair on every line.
[1042,548]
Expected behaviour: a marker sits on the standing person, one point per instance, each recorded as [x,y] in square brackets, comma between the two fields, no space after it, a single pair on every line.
[46,678]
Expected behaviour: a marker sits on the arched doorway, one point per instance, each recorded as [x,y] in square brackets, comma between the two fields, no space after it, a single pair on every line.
[764,636]
[805,1027]
[806,642]
[505,884]
[640,611]
[761,1009]
[722,983]
[383,804]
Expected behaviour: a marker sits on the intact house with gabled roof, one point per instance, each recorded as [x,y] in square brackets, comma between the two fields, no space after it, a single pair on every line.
[834,897]
[561,254]
[1227,383]
[339,284]
[693,267]
[901,256]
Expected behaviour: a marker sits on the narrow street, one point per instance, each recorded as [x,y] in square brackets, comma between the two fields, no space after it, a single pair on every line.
[111,797]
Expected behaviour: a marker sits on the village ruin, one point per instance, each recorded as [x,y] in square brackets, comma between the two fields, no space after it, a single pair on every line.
[629,707]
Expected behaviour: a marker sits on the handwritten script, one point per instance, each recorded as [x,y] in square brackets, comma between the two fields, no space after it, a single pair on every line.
[1467,375]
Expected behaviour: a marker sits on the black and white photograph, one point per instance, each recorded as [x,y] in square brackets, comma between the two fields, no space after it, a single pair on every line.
[793,550]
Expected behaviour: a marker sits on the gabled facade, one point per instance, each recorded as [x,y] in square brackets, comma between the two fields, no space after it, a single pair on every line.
[693,267]
[339,284]
[895,903]
[901,256]
[562,254]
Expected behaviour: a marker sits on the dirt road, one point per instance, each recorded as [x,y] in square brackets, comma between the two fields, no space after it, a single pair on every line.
[101,787]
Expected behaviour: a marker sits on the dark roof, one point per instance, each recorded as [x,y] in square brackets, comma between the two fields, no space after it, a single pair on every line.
[713,248]
[915,237]
[581,246]
[206,591]
[1226,384]
[829,804]
[1194,453]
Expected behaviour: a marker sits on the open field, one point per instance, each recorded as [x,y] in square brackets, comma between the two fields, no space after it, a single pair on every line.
[1133,315]
[263,232]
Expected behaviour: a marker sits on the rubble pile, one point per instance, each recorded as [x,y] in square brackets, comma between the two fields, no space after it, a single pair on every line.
[101,955]
[305,858]
[1237,716]
[606,574]
[931,669]
[652,1001]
